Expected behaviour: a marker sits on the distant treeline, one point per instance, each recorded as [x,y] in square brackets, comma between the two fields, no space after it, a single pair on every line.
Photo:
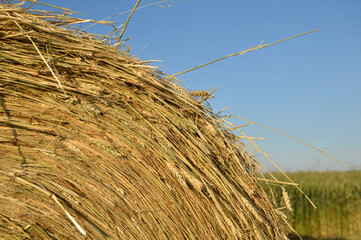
[337,196]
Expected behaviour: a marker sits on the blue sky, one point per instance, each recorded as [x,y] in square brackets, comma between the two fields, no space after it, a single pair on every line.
[308,87]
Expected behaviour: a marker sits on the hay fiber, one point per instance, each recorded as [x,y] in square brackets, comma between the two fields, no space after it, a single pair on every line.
[96,144]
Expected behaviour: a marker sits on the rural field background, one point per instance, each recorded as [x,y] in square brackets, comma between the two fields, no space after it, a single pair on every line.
[337,196]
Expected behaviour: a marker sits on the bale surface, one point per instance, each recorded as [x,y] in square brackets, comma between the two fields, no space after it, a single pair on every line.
[96,144]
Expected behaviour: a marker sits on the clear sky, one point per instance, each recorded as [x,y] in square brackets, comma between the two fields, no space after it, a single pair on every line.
[308,87]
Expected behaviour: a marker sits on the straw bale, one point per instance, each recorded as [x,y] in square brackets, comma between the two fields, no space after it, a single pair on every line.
[96,144]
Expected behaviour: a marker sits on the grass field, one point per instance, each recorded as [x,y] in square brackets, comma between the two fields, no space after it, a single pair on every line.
[337,196]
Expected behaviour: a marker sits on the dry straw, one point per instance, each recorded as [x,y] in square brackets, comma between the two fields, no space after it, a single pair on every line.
[96,144]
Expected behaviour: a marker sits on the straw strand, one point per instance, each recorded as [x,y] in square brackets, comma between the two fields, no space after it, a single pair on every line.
[243,52]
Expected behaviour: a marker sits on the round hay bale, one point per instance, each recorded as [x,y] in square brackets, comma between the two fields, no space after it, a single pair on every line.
[96,144]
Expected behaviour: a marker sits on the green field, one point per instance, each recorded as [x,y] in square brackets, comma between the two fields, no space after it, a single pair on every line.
[337,196]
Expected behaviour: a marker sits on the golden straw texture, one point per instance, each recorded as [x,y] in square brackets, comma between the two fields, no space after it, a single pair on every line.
[94,143]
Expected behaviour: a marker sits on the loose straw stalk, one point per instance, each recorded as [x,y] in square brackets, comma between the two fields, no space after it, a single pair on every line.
[242,52]
[126,24]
